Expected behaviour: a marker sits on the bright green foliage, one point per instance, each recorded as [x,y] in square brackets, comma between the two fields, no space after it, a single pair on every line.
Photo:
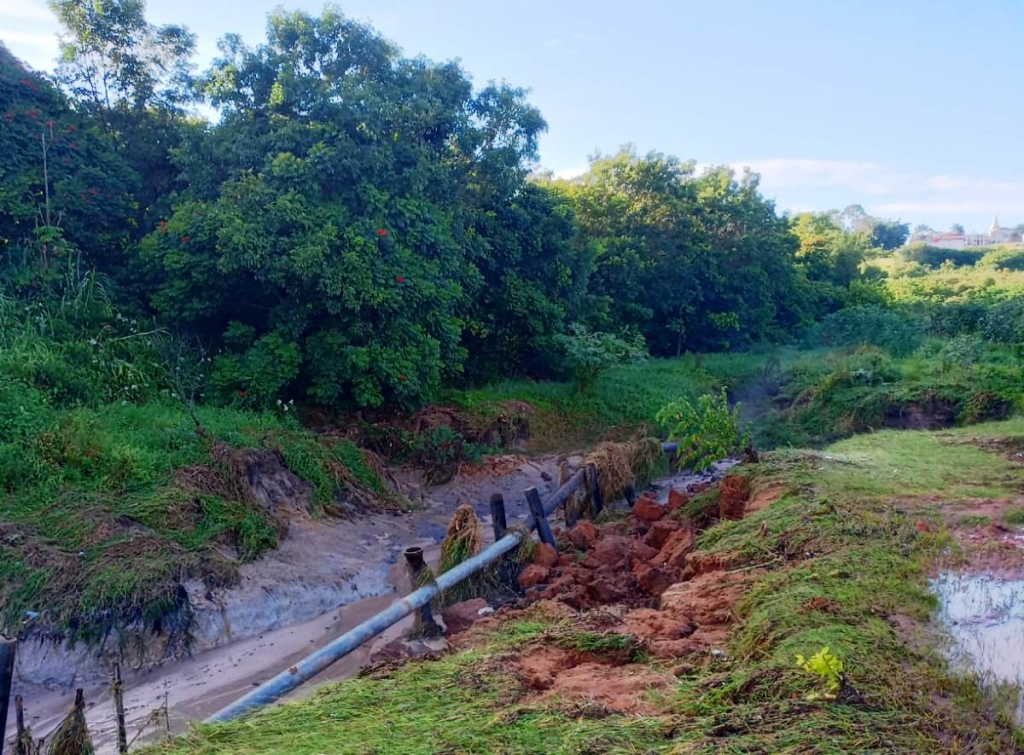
[691,262]
[355,221]
[875,325]
[828,669]
[589,353]
[706,431]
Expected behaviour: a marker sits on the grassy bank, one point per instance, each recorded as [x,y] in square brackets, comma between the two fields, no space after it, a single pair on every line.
[840,559]
[105,511]
[626,398]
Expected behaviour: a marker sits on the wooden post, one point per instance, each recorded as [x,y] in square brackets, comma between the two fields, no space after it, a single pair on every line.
[568,511]
[540,520]
[415,565]
[7,648]
[21,743]
[595,490]
[498,516]
[122,733]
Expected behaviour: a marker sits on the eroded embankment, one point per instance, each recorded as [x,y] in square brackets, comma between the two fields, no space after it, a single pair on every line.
[833,550]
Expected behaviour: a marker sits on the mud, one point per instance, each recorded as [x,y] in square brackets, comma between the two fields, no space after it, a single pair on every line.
[985,619]
[326,577]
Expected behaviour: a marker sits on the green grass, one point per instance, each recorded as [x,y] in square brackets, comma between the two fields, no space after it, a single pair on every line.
[831,563]
[95,532]
[857,390]
[626,398]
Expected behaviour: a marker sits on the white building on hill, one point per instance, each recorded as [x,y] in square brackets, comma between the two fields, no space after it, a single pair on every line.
[996,235]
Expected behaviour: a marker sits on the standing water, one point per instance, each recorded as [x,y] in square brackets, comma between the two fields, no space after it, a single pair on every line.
[985,616]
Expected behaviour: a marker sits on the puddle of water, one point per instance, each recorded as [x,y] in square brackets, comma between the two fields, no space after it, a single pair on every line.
[985,617]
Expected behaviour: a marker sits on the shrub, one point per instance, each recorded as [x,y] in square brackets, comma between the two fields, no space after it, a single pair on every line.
[589,353]
[897,333]
[706,431]
[934,257]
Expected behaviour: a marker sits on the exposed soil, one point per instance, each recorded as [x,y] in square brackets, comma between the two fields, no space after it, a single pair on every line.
[933,415]
[290,602]
[634,586]
[326,576]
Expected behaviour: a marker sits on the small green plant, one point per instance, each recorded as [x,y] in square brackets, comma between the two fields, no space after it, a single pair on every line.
[829,671]
[706,431]
[589,353]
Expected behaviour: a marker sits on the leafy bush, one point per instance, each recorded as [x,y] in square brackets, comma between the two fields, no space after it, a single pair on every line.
[590,353]
[897,333]
[1004,259]
[962,351]
[706,431]
[934,256]
[259,375]
[1004,322]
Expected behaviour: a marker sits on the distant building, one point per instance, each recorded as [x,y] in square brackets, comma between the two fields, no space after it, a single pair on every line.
[996,235]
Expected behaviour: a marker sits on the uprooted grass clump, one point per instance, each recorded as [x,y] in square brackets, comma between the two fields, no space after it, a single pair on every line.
[839,559]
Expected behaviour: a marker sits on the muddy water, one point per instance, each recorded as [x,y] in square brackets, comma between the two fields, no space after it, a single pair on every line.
[984,614]
[325,578]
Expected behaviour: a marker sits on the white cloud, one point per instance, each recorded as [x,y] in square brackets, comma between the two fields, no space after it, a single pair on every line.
[797,183]
[25,10]
[35,38]
[869,177]
[567,173]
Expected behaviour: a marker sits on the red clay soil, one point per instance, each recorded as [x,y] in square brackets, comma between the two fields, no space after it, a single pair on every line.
[649,582]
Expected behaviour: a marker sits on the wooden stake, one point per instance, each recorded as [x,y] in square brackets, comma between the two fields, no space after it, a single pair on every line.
[122,734]
[540,520]
[498,520]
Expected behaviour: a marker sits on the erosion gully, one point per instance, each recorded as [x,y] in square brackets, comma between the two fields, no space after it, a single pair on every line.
[326,577]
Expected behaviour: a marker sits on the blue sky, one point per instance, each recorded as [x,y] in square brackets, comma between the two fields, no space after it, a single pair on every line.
[909,107]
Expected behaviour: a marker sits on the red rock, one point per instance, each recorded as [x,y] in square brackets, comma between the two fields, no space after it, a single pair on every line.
[534,574]
[677,499]
[583,536]
[545,555]
[613,550]
[673,552]
[566,560]
[615,527]
[698,563]
[643,552]
[734,493]
[607,591]
[576,597]
[461,616]
[660,532]
[653,579]
[648,509]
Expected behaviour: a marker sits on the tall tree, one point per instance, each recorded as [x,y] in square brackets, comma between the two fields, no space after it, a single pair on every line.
[111,58]
[332,216]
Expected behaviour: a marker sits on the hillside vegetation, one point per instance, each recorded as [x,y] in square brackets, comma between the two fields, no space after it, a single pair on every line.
[357,263]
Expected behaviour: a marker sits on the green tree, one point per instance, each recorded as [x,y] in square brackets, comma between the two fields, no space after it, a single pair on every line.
[64,184]
[112,59]
[349,203]
[689,261]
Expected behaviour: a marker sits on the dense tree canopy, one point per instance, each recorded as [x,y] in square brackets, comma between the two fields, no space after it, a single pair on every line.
[688,261]
[360,228]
